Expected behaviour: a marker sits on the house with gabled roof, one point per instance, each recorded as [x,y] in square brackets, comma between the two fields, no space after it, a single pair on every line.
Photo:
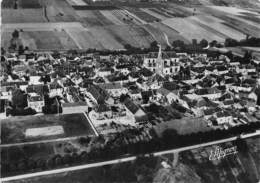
[169,95]
[55,88]
[36,102]
[114,89]
[134,110]
[223,117]
[98,95]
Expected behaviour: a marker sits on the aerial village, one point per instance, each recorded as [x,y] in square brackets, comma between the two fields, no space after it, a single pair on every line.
[120,99]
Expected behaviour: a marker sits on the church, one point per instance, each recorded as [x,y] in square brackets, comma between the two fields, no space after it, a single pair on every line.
[162,63]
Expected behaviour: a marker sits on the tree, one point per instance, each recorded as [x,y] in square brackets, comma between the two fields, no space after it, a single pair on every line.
[258,100]
[229,42]
[178,43]
[123,97]
[15,34]
[154,45]
[247,57]
[19,99]
[204,43]
[67,159]
[213,43]
[128,47]
[168,48]
[20,49]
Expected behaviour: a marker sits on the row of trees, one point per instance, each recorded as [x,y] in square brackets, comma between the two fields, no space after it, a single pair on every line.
[252,42]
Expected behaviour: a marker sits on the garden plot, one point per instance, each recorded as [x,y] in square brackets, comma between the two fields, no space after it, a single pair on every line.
[232,10]
[77,2]
[234,21]
[242,25]
[154,14]
[50,40]
[156,34]
[190,30]
[142,15]
[106,38]
[161,12]
[60,11]
[27,40]
[84,39]
[91,18]
[29,4]
[26,4]
[22,16]
[133,35]
[216,24]
[111,15]
[172,34]
[126,17]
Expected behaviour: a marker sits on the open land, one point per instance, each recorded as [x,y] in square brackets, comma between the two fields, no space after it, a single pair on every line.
[135,24]
[14,130]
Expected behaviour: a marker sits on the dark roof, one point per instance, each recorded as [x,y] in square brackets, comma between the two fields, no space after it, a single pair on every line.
[228,102]
[148,93]
[202,91]
[15,83]
[146,72]
[102,108]
[131,106]
[68,82]
[74,104]
[40,89]
[221,68]
[223,114]
[134,74]
[55,85]
[230,81]
[171,86]
[99,94]
[222,88]
[35,98]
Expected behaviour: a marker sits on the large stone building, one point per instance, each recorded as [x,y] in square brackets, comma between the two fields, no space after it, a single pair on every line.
[162,64]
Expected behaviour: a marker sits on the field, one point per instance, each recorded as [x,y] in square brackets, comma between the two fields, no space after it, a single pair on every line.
[241,51]
[183,126]
[136,24]
[30,4]
[18,16]
[43,40]
[184,27]
[13,129]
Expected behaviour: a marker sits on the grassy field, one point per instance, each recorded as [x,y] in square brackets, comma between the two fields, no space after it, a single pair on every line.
[241,51]
[24,4]
[22,16]
[184,27]
[142,15]
[217,25]
[13,129]
[42,40]
[183,126]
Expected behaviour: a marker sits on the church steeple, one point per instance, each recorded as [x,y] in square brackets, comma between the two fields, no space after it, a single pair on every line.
[159,61]
[160,52]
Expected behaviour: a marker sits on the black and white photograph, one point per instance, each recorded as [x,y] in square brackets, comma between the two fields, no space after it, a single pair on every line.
[130,91]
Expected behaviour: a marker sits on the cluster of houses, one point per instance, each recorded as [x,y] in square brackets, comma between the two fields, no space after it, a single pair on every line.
[119,89]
